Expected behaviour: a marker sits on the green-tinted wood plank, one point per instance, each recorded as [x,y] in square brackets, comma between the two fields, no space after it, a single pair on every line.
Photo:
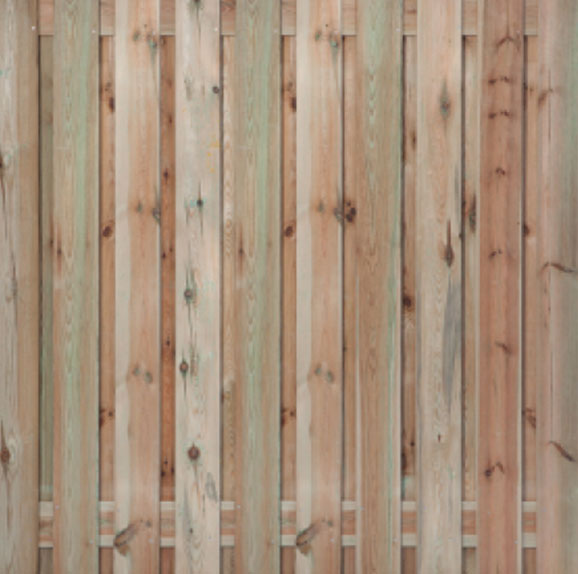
[379,164]
[257,217]
[439,289]
[19,286]
[137,278]
[557,537]
[75,287]
[198,286]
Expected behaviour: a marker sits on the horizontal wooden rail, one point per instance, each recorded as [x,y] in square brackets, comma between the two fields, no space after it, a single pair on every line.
[289,535]
[470,18]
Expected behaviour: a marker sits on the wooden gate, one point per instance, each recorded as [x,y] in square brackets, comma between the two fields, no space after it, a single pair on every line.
[288,286]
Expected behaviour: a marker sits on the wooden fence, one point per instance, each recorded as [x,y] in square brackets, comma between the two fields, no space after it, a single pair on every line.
[288,286]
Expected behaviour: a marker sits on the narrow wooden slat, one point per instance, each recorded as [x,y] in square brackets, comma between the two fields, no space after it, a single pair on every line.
[409,371]
[557,537]
[531,283]
[19,286]
[76,278]
[107,283]
[319,285]
[379,167]
[198,286]
[257,217]
[501,43]
[289,334]
[137,270]
[438,281]
[168,367]
[288,7]
[350,134]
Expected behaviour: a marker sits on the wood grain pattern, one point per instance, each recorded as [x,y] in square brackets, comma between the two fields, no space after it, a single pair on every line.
[107,283]
[558,356]
[19,286]
[319,285]
[137,270]
[379,167]
[438,281]
[289,255]
[288,7]
[76,280]
[198,287]
[257,217]
[501,44]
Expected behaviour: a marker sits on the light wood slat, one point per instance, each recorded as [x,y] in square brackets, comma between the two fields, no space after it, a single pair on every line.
[228,11]
[319,285]
[409,358]
[379,166]
[107,283]
[19,286]
[46,239]
[289,336]
[558,240]
[137,262]
[439,293]
[531,268]
[197,286]
[501,43]
[257,160]
[350,134]
[75,289]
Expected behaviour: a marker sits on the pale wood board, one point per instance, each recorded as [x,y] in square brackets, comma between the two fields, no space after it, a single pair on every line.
[75,268]
[319,285]
[557,357]
[439,286]
[19,286]
[257,271]
[379,45]
[137,296]
[198,286]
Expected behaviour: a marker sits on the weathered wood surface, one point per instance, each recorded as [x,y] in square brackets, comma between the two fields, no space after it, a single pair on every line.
[198,287]
[558,269]
[75,268]
[501,79]
[379,44]
[137,293]
[19,286]
[320,219]
[257,268]
[439,286]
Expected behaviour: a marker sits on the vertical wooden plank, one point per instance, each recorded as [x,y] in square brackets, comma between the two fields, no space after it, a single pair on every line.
[408,376]
[168,231]
[107,283]
[257,158]
[319,285]
[438,284]
[75,289]
[379,165]
[19,287]
[531,284]
[289,333]
[557,536]
[501,43]
[137,269]
[470,227]
[350,134]
[198,286]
